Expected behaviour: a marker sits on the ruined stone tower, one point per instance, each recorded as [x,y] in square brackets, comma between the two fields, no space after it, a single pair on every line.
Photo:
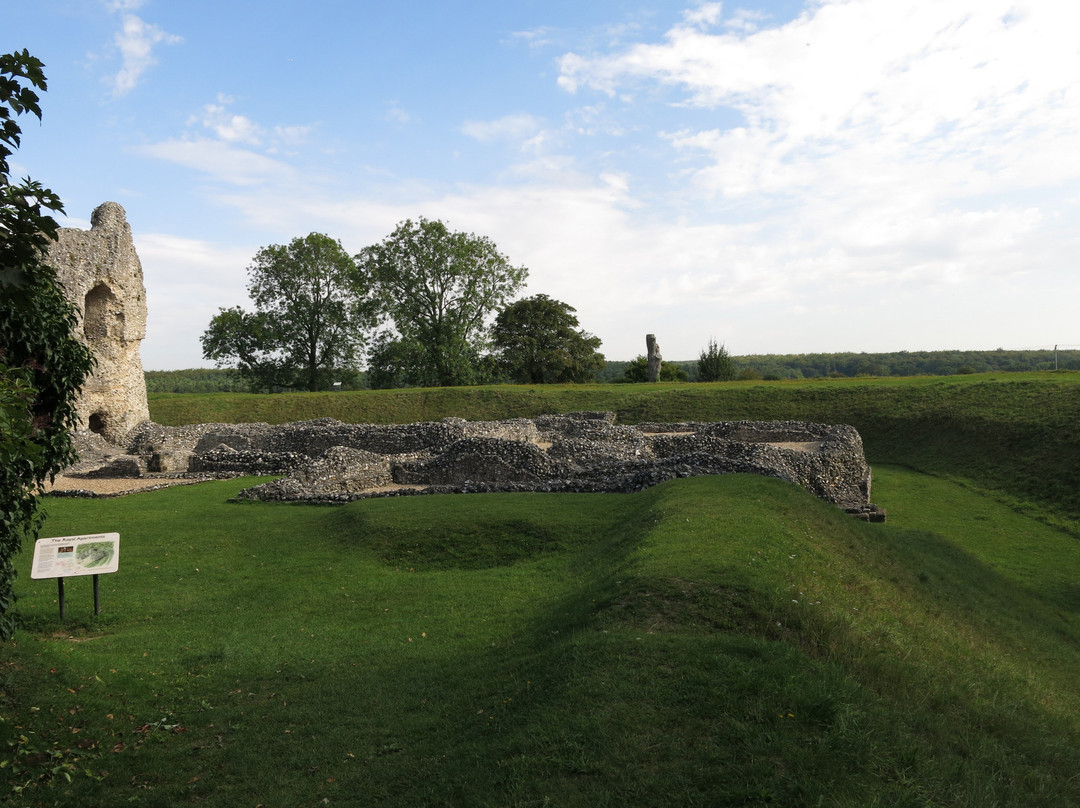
[102,276]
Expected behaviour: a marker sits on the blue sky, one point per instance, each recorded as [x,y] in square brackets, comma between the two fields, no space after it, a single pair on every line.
[784,177]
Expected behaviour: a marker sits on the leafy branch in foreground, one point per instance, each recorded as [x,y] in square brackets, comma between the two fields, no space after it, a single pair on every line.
[42,363]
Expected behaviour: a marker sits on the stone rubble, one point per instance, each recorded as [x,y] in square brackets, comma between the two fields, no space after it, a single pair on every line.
[325,460]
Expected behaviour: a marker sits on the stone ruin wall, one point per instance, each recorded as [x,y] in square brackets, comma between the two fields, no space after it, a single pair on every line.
[101,273]
[326,460]
[329,461]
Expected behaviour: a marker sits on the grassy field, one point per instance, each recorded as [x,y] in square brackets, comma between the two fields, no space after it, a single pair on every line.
[1015,434]
[713,641]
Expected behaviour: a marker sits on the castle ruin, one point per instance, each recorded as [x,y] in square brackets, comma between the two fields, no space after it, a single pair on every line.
[329,461]
[102,276]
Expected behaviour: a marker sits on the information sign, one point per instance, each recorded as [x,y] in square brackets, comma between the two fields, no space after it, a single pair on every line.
[66,556]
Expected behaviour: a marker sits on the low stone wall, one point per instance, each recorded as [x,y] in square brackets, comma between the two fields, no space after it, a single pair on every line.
[325,460]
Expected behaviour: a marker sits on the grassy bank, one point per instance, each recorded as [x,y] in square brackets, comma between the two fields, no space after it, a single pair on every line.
[715,641]
[1017,434]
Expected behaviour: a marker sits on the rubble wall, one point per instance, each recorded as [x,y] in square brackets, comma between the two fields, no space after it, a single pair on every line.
[325,460]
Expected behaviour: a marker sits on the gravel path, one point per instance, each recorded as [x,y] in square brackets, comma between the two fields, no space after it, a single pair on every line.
[115,486]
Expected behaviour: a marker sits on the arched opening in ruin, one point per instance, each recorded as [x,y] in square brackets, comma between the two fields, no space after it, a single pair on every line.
[96,313]
[97,423]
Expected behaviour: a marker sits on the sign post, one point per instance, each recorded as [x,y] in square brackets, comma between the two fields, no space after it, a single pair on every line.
[67,556]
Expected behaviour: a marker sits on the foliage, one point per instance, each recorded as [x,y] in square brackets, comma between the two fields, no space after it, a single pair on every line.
[214,380]
[394,363]
[614,370]
[538,342]
[906,363]
[637,372]
[311,313]
[898,363]
[438,287]
[752,374]
[715,364]
[42,363]
[194,380]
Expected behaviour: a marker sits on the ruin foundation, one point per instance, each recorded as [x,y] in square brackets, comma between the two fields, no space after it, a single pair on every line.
[329,461]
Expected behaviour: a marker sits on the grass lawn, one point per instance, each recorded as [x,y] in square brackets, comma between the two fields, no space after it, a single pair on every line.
[712,641]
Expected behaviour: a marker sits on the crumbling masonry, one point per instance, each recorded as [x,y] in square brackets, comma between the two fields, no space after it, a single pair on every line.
[329,461]
[102,276]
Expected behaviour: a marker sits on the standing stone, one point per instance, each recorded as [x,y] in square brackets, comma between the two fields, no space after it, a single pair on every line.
[654,358]
[102,276]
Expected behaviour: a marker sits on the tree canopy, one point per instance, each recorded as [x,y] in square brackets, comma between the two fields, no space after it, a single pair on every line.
[438,287]
[538,341]
[312,314]
[42,362]
[637,372]
[715,365]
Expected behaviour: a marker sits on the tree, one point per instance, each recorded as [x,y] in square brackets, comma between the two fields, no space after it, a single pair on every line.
[42,363]
[538,342]
[638,372]
[393,363]
[439,288]
[715,365]
[312,312]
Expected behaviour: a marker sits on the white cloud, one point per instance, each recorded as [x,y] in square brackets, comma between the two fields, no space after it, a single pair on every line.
[239,151]
[187,281]
[220,160]
[866,169]
[398,114]
[704,16]
[922,81]
[518,127]
[136,41]
[880,138]
[535,38]
[745,20]
[292,135]
[230,127]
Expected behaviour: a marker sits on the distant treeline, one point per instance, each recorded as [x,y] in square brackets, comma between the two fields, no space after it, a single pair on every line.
[767,367]
[900,363]
[194,380]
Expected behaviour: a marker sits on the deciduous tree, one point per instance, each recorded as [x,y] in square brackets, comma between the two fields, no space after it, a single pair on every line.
[637,372]
[312,314]
[538,342]
[42,362]
[439,287]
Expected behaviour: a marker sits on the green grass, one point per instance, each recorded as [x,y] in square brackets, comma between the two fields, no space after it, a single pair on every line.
[713,641]
[1015,434]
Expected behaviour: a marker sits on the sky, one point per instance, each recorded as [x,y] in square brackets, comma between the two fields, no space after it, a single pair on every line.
[780,176]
